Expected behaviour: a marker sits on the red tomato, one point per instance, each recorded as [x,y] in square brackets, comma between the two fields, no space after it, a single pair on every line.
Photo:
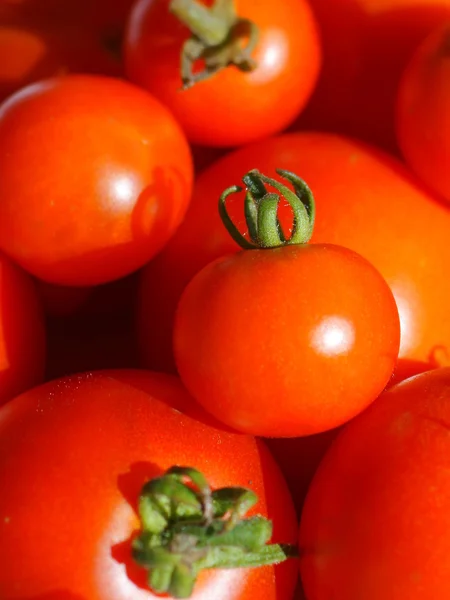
[232,107]
[404,235]
[110,174]
[423,112]
[81,448]
[22,333]
[366,45]
[376,522]
[288,341]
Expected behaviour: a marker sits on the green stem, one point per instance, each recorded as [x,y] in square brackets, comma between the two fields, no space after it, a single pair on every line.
[261,211]
[186,527]
[217,35]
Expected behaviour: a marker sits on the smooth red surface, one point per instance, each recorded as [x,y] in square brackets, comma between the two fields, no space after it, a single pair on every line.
[233,107]
[95,176]
[73,457]
[423,112]
[365,201]
[376,521]
[288,341]
[22,333]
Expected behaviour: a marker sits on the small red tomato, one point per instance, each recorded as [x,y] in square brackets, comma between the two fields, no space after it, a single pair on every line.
[233,105]
[376,522]
[108,178]
[423,112]
[22,332]
[74,455]
[285,340]
[348,179]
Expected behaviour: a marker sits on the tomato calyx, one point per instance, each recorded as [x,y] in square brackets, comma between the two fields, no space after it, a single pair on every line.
[261,211]
[217,33]
[187,527]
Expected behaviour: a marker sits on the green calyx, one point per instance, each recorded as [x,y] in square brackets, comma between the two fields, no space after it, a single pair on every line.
[217,36]
[186,527]
[261,211]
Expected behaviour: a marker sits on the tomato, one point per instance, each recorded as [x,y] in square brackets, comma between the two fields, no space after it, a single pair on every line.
[241,106]
[364,200]
[376,521]
[82,447]
[313,327]
[108,178]
[22,332]
[423,112]
[366,45]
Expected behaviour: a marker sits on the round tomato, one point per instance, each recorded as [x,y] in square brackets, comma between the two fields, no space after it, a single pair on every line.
[80,449]
[365,201]
[376,522]
[366,45]
[313,328]
[22,332]
[232,106]
[108,178]
[423,112]
[348,179]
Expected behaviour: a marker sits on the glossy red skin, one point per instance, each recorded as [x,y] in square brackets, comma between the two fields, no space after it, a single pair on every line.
[288,341]
[376,521]
[423,112]
[111,175]
[366,46]
[22,332]
[82,448]
[364,201]
[232,108]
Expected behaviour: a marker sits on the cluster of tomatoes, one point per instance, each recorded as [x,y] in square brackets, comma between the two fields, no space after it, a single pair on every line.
[224,292]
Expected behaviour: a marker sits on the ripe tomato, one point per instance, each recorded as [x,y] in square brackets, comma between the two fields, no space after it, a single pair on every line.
[22,332]
[81,448]
[108,178]
[240,106]
[366,45]
[376,523]
[423,112]
[313,328]
[365,201]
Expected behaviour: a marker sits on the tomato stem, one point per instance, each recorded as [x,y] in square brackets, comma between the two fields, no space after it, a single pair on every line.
[186,527]
[216,38]
[261,211]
